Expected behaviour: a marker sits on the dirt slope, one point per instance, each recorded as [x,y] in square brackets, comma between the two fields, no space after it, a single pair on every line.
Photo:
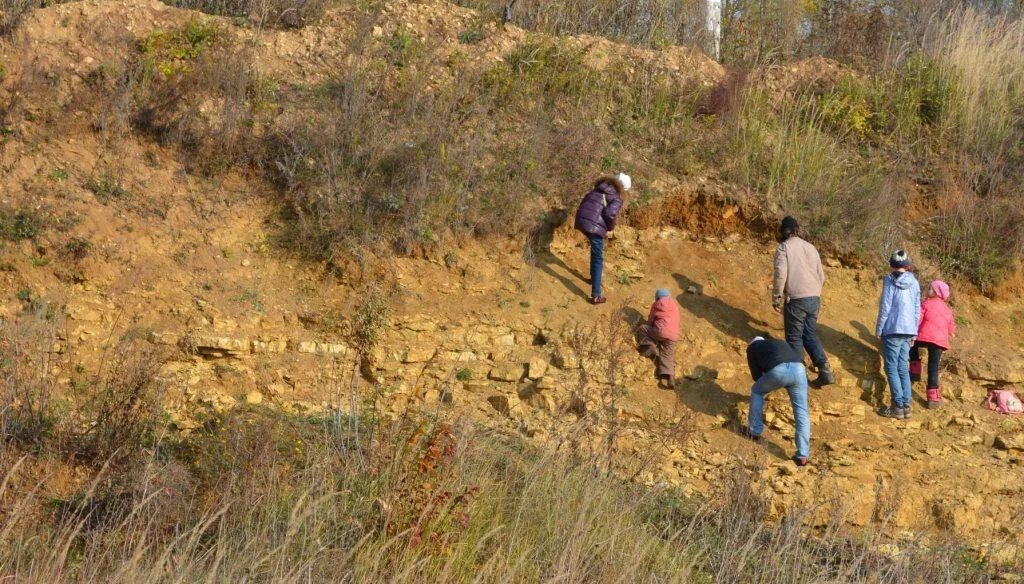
[487,331]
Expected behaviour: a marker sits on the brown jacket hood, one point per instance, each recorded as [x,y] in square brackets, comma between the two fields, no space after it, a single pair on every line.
[612,181]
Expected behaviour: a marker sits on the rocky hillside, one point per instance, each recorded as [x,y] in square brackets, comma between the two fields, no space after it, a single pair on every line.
[494,329]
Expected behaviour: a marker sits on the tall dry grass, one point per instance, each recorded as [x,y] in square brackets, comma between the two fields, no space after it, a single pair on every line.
[428,503]
[983,55]
[351,496]
[947,114]
[654,23]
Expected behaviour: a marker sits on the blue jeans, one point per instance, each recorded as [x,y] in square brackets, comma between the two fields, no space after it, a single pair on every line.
[896,353]
[596,264]
[792,376]
[800,319]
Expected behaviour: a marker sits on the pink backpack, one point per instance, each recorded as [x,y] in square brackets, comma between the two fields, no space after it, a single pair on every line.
[1004,401]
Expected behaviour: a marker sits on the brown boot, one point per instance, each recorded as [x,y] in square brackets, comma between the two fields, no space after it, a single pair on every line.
[666,382]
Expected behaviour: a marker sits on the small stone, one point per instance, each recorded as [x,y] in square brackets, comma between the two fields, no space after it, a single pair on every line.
[418,355]
[506,372]
[476,386]
[701,372]
[278,346]
[1014,442]
[717,459]
[839,445]
[508,340]
[500,403]
[963,421]
[221,346]
[695,289]
[170,339]
[246,263]
[324,348]
[254,398]
[536,368]
[543,401]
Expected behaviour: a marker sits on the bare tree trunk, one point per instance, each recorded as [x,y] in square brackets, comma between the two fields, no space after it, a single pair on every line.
[713,25]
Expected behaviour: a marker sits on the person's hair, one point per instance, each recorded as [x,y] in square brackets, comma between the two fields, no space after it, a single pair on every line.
[785,234]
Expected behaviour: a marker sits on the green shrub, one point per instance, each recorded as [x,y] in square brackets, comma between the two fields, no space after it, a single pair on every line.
[787,156]
[16,225]
[978,240]
[173,52]
[107,188]
[472,36]
[78,248]
[370,320]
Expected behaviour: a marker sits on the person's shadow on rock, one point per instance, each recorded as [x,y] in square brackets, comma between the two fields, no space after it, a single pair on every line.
[538,252]
[707,396]
[731,321]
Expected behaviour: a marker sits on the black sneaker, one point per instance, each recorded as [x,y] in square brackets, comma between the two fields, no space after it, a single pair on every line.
[800,460]
[891,412]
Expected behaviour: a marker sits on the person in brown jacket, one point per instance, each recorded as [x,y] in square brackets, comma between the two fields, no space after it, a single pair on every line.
[796,293]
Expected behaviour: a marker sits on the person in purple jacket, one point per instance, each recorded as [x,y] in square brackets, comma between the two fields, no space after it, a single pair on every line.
[596,218]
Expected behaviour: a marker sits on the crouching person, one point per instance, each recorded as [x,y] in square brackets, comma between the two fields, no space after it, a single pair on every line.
[656,339]
[775,364]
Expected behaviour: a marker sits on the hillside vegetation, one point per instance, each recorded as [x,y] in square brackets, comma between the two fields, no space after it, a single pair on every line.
[259,495]
[429,131]
[288,290]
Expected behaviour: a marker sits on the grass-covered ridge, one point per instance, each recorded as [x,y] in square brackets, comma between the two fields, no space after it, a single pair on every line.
[414,141]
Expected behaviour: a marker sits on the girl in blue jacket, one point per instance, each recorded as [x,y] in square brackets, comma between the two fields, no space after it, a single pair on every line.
[899,313]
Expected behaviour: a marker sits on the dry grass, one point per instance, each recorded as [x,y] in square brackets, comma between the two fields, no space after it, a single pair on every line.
[350,495]
[649,22]
[947,114]
[257,495]
[261,13]
[387,157]
[410,147]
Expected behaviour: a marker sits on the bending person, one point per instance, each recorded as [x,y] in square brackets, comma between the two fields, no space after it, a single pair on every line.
[773,365]
[656,339]
[596,218]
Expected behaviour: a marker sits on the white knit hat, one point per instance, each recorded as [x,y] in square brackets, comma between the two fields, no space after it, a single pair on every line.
[625,179]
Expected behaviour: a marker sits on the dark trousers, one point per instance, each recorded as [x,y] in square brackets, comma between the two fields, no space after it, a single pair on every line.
[663,351]
[934,359]
[800,319]
[596,264]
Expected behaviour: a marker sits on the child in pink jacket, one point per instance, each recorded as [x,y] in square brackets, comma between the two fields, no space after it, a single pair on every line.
[936,328]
